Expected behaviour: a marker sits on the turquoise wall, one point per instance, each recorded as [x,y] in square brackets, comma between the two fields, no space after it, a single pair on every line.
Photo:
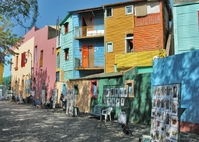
[67,42]
[184,69]
[186,30]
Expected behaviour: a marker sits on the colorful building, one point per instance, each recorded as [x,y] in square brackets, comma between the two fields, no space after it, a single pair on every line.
[132,27]
[31,67]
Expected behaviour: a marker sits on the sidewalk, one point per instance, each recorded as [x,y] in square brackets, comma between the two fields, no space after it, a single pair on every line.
[27,123]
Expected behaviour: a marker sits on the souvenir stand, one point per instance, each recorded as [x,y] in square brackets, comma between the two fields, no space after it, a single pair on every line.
[165,117]
[114,96]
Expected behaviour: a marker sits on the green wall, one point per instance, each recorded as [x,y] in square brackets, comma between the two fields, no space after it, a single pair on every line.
[140,105]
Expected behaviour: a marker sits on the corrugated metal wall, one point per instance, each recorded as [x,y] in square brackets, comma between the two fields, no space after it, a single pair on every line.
[186,30]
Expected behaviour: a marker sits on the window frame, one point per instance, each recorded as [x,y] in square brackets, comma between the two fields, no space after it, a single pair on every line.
[126,9]
[107,47]
[66,27]
[109,8]
[66,54]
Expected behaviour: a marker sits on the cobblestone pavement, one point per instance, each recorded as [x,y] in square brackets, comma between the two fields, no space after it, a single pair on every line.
[24,123]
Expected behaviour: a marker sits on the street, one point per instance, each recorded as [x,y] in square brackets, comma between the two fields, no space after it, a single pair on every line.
[25,123]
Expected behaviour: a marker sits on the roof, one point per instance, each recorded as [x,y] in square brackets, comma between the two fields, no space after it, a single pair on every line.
[87,10]
[103,75]
[63,21]
[121,3]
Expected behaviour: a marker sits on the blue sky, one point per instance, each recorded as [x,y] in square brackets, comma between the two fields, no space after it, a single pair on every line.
[50,10]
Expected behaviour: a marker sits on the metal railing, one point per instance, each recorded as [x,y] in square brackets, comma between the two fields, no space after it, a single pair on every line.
[89,31]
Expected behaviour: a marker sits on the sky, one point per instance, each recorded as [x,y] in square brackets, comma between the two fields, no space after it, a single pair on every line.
[50,10]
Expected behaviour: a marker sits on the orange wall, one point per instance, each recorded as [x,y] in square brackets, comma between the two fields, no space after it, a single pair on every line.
[148,32]
[116,29]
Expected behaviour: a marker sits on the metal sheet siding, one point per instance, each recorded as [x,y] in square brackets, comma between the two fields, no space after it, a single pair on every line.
[117,27]
[67,42]
[186,34]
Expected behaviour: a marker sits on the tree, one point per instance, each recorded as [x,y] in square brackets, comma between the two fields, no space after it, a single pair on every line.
[14,13]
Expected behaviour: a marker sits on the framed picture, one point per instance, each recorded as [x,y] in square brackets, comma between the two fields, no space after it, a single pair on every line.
[129,85]
[113,102]
[117,102]
[108,101]
[117,90]
[122,101]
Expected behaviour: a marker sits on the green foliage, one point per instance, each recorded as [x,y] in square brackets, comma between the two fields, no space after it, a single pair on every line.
[13,13]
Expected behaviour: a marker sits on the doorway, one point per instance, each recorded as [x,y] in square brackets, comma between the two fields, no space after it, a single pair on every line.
[87,56]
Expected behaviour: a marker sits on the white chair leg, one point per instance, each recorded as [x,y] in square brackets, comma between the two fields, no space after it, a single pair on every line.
[105,117]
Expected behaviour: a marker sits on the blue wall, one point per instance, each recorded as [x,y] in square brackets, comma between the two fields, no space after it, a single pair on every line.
[186,27]
[98,43]
[184,69]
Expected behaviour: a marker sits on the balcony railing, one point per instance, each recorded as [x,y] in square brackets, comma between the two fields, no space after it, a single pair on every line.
[139,59]
[89,31]
[78,66]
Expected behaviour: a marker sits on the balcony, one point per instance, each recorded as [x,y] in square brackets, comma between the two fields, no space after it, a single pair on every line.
[138,59]
[96,31]
[78,66]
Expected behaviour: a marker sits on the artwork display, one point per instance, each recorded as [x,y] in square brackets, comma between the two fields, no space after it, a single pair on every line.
[70,101]
[164,113]
[114,96]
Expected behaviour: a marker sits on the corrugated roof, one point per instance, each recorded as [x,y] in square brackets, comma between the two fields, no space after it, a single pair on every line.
[121,3]
[103,75]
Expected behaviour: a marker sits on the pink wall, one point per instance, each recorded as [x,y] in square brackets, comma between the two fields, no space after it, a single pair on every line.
[48,75]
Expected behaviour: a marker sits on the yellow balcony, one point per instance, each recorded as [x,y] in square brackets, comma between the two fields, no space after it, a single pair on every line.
[138,58]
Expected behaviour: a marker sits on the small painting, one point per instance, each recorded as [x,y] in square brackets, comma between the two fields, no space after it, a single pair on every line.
[117,102]
[122,101]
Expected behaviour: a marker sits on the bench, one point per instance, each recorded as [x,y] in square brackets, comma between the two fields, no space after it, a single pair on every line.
[98,113]
[97,110]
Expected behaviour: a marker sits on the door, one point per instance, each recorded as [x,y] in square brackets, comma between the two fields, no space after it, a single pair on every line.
[87,56]
[84,56]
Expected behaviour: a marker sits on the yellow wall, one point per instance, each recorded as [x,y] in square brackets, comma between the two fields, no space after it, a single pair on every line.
[82,100]
[22,72]
[117,27]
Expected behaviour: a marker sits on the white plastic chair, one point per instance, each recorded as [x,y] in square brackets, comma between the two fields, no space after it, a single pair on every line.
[107,112]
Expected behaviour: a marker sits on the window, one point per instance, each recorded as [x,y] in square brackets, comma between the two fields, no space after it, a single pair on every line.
[76,89]
[109,47]
[41,58]
[23,58]
[109,12]
[129,43]
[66,28]
[129,84]
[66,52]
[58,60]
[16,67]
[94,89]
[35,54]
[129,9]
[57,76]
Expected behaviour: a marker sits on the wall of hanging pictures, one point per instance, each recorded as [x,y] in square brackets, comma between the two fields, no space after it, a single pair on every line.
[164,113]
[114,95]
